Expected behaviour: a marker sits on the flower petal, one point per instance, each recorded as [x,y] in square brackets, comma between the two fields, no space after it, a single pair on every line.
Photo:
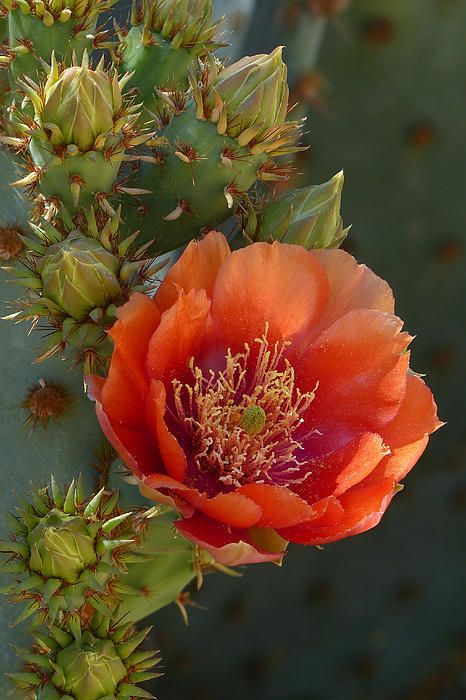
[196,269]
[352,286]
[228,546]
[126,386]
[363,508]
[178,336]
[360,370]
[280,506]
[135,446]
[232,509]
[283,285]
[336,471]
[172,453]
[408,433]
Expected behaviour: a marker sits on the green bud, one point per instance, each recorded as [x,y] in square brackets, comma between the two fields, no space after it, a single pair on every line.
[309,217]
[188,22]
[61,546]
[79,275]
[89,669]
[255,93]
[79,105]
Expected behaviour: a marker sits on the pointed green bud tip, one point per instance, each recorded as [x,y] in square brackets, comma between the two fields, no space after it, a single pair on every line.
[309,217]
[255,92]
[186,22]
[79,105]
[79,275]
[89,669]
[61,547]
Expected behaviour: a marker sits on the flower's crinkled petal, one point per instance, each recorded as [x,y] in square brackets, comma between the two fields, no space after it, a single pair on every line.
[232,509]
[178,337]
[360,367]
[408,433]
[363,507]
[280,507]
[352,286]
[227,545]
[196,269]
[337,471]
[283,285]
[125,389]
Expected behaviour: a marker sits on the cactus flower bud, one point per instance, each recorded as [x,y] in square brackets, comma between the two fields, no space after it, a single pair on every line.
[255,93]
[80,105]
[188,21]
[79,275]
[89,669]
[61,547]
[309,217]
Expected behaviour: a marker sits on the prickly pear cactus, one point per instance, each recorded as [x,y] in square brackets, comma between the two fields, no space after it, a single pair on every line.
[108,161]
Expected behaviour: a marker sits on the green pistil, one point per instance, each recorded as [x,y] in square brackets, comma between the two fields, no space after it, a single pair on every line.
[253,420]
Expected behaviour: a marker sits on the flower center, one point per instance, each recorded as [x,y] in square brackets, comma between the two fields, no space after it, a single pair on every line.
[242,419]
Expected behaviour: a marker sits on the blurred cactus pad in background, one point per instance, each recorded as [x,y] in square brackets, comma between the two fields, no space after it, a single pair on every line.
[379,617]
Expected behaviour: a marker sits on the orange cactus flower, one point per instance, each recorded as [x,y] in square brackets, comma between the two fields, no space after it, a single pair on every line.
[266,394]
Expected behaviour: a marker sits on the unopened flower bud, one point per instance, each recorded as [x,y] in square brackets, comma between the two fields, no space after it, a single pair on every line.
[79,275]
[309,217]
[61,546]
[80,105]
[255,93]
[190,20]
[89,669]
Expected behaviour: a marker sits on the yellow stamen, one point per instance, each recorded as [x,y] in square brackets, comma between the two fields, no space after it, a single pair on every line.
[241,420]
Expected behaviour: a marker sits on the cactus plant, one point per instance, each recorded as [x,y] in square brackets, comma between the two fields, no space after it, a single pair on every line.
[192,155]
[215,147]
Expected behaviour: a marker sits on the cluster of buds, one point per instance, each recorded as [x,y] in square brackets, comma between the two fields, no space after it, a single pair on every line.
[76,279]
[51,11]
[68,553]
[78,137]
[309,217]
[164,39]
[98,662]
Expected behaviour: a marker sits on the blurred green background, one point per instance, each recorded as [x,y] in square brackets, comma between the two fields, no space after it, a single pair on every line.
[381,616]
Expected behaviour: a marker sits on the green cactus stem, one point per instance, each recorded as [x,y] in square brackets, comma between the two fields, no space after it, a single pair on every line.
[164,39]
[214,147]
[98,659]
[79,136]
[309,217]
[75,279]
